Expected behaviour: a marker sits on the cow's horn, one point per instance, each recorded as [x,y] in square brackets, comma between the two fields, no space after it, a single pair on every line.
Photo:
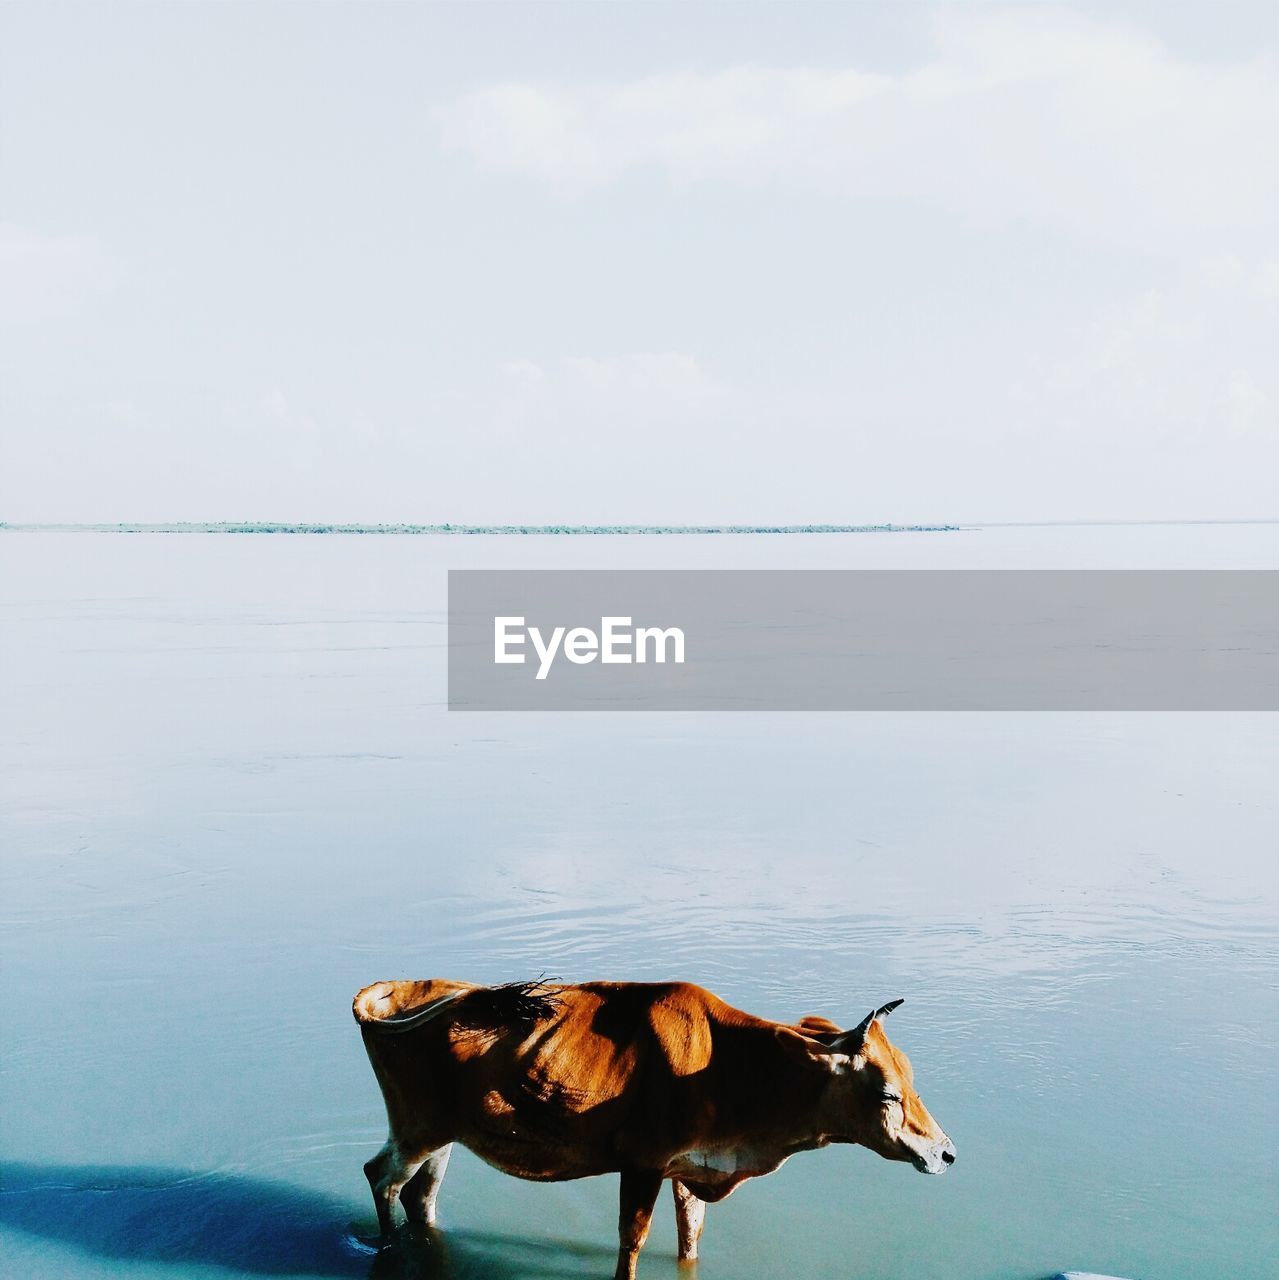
[864,1025]
[852,1041]
[882,1012]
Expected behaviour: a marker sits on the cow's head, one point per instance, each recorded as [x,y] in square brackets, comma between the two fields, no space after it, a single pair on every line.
[871,1099]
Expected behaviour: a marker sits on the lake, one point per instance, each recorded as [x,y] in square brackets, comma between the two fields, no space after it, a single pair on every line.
[231,795]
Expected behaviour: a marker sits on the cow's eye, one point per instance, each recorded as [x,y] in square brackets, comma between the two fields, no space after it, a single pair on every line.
[892,1097]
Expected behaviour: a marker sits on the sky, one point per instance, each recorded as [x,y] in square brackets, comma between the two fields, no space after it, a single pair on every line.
[639,263]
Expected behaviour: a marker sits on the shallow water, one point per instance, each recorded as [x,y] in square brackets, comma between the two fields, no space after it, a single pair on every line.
[231,796]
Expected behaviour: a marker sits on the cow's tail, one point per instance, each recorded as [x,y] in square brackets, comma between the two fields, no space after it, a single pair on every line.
[394,1007]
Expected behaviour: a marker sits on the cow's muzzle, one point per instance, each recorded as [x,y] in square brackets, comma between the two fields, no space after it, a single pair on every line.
[937,1158]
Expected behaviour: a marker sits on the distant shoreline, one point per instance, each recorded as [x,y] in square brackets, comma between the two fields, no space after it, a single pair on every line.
[586,530]
[476,529]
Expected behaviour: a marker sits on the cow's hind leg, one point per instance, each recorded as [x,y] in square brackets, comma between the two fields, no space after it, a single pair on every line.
[387,1173]
[638,1196]
[690,1216]
[420,1192]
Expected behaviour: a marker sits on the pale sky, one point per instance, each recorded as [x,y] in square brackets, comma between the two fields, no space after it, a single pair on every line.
[645,263]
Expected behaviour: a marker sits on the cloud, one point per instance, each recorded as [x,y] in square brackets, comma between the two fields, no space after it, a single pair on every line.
[1268,279]
[639,430]
[1247,406]
[1163,408]
[44,276]
[1091,128]
[275,410]
[651,391]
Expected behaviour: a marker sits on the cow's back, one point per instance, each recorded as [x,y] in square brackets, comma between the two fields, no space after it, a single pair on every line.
[611,1073]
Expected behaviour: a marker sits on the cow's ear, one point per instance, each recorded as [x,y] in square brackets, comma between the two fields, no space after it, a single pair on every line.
[818,1028]
[815,1044]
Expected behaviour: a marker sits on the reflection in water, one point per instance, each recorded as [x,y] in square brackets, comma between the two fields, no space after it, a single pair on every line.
[253,1227]
[423,1254]
[174,1215]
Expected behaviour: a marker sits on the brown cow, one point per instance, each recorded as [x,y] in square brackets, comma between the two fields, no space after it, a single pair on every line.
[649,1080]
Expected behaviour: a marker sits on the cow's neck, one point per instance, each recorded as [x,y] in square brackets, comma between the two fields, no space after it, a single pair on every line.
[798,1110]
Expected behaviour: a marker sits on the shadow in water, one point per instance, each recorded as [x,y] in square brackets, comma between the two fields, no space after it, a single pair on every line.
[255,1227]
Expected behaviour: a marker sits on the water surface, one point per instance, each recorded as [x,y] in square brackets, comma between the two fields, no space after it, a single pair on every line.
[231,795]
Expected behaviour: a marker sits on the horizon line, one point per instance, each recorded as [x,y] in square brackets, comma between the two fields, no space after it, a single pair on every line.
[449,528]
[445,528]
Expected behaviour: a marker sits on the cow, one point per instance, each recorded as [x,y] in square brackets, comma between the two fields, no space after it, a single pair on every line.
[654,1081]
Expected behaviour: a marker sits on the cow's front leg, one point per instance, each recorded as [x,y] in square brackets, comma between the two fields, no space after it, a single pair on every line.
[638,1196]
[421,1190]
[690,1216]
